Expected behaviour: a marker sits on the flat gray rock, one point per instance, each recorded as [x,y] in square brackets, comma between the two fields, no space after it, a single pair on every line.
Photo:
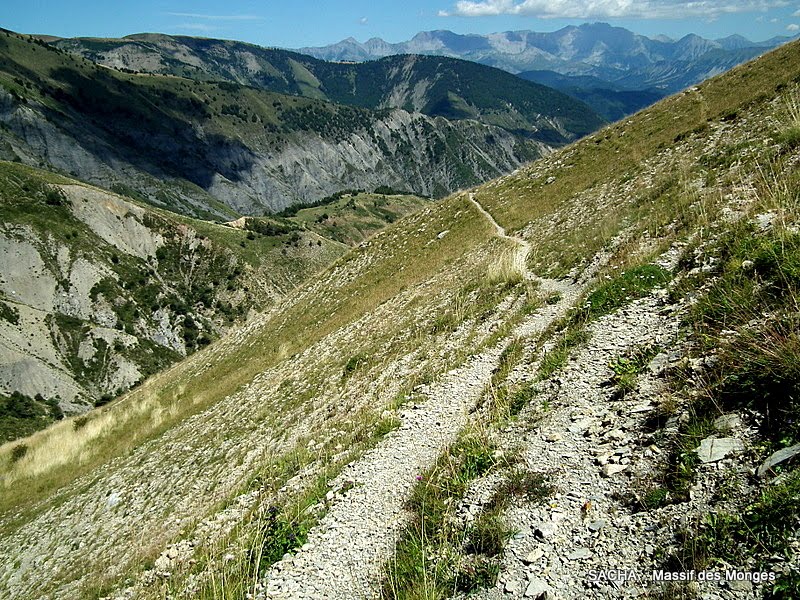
[727,423]
[538,590]
[579,554]
[714,449]
[596,525]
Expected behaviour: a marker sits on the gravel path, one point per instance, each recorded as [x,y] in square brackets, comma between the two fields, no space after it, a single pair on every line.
[597,450]
[591,446]
[523,246]
[347,549]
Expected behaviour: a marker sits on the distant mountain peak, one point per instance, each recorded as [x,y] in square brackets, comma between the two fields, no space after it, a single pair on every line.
[617,55]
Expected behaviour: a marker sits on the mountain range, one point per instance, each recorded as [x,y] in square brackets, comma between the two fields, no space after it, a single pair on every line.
[213,142]
[612,69]
[612,54]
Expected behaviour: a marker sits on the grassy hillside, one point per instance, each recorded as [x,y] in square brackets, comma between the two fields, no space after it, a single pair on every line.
[353,217]
[435,86]
[363,335]
[277,407]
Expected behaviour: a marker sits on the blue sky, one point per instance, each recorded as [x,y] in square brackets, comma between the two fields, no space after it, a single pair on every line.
[304,23]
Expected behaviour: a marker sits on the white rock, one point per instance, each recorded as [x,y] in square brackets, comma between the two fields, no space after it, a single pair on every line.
[609,470]
[714,449]
[538,589]
[535,555]
[727,423]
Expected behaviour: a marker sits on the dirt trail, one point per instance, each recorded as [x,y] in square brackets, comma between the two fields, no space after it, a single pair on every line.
[345,552]
[520,260]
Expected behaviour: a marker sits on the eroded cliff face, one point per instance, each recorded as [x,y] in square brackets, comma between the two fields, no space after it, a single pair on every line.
[429,156]
[218,176]
[98,292]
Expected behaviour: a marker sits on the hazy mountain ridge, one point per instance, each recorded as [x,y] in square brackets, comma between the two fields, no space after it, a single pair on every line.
[610,53]
[611,101]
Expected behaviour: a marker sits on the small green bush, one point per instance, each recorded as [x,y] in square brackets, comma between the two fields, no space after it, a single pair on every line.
[353,364]
[278,536]
[9,313]
[18,452]
[487,536]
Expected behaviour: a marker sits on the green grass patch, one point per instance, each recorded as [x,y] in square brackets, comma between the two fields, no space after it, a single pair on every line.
[681,468]
[628,367]
[564,342]
[520,398]
[438,554]
[509,358]
[629,285]
[757,364]
[764,530]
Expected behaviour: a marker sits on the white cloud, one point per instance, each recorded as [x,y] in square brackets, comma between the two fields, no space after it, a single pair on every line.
[793,27]
[796,13]
[363,21]
[205,27]
[217,17]
[583,9]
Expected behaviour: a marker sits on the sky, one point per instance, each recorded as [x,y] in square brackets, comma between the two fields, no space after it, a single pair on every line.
[298,23]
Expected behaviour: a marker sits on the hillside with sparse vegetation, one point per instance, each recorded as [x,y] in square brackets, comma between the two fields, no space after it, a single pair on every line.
[220,149]
[590,363]
[99,291]
[434,86]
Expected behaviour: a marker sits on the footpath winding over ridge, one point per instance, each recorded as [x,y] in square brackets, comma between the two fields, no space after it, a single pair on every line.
[523,248]
[344,554]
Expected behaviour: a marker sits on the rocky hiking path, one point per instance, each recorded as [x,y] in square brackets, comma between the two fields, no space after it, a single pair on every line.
[590,447]
[345,552]
[596,448]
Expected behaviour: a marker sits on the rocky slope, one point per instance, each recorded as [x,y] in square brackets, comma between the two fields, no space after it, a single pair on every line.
[221,150]
[597,435]
[434,86]
[99,292]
